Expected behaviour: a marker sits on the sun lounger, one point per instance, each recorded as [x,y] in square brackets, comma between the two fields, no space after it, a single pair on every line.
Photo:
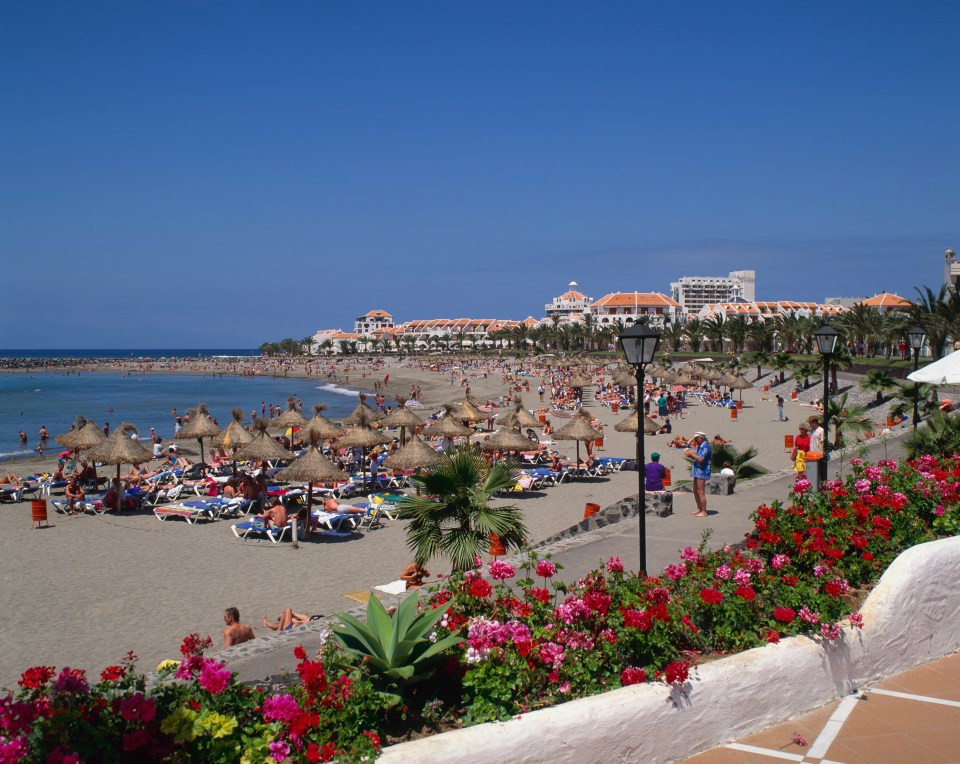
[332,520]
[252,529]
[190,514]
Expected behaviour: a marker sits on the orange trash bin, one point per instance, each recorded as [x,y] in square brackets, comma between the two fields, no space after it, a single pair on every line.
[496,546]
[666,477]
[590,510]
[788,442]
[39,512]
[733,414]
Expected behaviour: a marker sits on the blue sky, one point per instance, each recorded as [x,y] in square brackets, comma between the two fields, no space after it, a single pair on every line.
[198,174]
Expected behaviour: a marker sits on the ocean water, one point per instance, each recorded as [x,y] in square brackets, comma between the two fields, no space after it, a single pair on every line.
[28,401]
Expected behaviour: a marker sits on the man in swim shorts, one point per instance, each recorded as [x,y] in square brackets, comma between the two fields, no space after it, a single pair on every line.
[235,632]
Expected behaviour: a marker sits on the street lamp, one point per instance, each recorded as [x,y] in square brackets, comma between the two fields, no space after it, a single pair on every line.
[827,338]
[916,335]
[640,344]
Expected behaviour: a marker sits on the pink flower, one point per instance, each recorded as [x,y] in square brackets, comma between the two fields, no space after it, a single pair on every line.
[862,486]
[676,572]
[477,561]
[614,565]
[856,619]
[807,615]
[215,677]
[501,570]
[279,750]
[802,486]
[755,565]
[690,554]
[280,708]
[831,632]
[546,569]
[637,619]
[819,570]
[798,739]
[552,654]
[565,687]
[12,751]
[722,572]
[71,680]
[742,576]
[939,510]
[779,561]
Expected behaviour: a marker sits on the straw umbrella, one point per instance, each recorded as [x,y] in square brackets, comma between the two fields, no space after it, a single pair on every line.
[624,378]
[414,455]
[233,437]
[312,467]
[631,423]
[448,427]
[200,426]
[262,447]
[85,435]
[507,439]
[467,411]
[319,427]
[523,418]
[403,418]
[363,436]
[578,429]
[362,409]
[739,382]
[119,449]
[290,418]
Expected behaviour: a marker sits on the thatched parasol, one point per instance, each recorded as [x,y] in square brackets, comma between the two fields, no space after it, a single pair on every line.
[624,378]
[448,427]
[261,448]
[580,381]
[467,411]
[119,449]
[523,418]
[739,382]
[319,427]
[86,434]
[200,426]
[362,414]
[412,456]
[403,418]
[578,429]
[312,467]
[507,439]
[233,437]
[291,417]
[631,423]
[363,436]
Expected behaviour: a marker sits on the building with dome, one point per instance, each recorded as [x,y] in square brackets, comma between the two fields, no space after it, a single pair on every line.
[570,306]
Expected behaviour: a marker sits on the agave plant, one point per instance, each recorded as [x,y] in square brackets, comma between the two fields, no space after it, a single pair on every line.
[396,650]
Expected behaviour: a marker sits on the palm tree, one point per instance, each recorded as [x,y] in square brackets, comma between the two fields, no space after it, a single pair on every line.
[761,334]
[326,346]
[693,331]
[674,334]
[759,358]
[308,343]
[456,520]
[715,330]
[878,382]
[741,462]
[908,394]
[935,313]
[780,363]
[736,331]
[939,436]
[802,372]
[844,419]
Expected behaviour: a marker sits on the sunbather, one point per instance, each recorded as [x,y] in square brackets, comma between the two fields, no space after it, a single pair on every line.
[287,620]
[332,505]
[414,574]
[74,494]
[235,632]
[275,515]
[9,480]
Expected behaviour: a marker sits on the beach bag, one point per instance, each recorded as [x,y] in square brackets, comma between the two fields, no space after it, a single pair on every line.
[800,466]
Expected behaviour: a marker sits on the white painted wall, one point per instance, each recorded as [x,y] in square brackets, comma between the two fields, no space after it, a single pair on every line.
[913,616]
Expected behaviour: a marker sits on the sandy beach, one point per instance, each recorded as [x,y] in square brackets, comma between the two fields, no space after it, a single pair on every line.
[88,589]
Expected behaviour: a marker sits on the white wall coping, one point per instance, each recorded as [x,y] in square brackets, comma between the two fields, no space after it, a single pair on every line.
[911,617]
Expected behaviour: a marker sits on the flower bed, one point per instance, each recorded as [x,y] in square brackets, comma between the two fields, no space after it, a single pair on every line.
[527,642]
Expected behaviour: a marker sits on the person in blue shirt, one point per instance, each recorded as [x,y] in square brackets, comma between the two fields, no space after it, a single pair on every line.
[700,453]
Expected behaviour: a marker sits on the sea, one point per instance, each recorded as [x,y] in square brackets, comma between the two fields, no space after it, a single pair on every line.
[54,400]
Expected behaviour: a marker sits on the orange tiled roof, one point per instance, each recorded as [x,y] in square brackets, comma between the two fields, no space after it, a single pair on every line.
[377,314]
[888,300]
[344,336]
[573,296]
[635,299]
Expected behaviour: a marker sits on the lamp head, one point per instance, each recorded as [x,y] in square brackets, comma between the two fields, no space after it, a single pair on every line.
[639,344]
[827,338]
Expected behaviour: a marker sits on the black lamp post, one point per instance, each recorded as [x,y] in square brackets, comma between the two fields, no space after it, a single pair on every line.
[640,344]
[916,335]
[827,338]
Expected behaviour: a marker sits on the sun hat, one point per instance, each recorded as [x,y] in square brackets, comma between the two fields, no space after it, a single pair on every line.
[654,456]
[699,434]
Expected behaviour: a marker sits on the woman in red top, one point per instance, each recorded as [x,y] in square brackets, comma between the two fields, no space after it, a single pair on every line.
[801,443]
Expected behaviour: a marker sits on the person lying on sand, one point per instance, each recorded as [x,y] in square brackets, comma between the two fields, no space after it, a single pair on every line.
[287,620]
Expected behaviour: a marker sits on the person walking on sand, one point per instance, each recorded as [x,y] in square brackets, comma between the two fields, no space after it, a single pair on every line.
[235,632]
[780,408]
[701,454]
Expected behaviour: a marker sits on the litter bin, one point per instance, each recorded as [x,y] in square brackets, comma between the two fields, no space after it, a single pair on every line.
[813,459]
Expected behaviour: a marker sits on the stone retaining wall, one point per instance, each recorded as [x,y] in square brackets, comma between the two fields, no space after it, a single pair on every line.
[911,617]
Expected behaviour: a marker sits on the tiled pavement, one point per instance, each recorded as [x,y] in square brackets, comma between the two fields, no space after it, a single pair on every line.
[910,717]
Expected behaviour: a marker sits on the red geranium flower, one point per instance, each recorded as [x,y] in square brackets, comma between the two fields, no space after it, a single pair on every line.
[112,673]
[784,614]
[773,636]
[746,593]
[676,672]
[632,675]
[36,677]
[480,588]
[711,596]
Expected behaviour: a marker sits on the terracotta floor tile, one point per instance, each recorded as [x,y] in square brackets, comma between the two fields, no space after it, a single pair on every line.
[939,680]
[884,749]
[866,722]
[724,756]
[780,738]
